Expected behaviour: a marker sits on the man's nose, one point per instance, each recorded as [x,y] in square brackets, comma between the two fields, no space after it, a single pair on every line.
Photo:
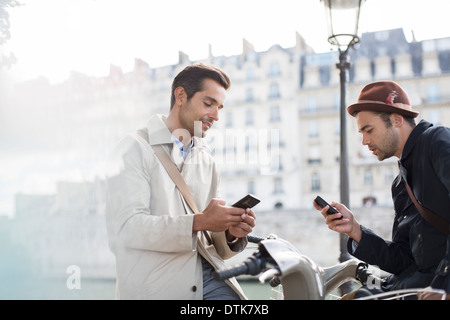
[365,141]
[215,114]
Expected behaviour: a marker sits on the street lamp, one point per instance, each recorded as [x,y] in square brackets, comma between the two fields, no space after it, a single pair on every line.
[343,20]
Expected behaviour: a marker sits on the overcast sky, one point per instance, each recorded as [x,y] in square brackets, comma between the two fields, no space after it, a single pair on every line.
[53,37]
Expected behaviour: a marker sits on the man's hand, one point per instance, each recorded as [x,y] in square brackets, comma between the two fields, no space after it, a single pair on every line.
[429,294]
[348,224]
[245,226]
[218,217]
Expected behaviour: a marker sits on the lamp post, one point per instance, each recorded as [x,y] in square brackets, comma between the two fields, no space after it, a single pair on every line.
[343,20]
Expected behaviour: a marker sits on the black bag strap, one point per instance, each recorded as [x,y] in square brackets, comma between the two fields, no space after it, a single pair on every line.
[432,218]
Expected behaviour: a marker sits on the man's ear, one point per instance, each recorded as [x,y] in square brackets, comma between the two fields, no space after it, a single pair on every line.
[180,96]
[397,119]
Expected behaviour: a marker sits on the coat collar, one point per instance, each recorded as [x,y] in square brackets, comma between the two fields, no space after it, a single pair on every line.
[413,137]
[159,133]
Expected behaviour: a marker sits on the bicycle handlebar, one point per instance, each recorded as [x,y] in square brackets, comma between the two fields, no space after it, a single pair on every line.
[253,265]
[254,239]
[365,276]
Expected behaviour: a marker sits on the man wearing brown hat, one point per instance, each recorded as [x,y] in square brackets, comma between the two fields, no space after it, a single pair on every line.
[419,254]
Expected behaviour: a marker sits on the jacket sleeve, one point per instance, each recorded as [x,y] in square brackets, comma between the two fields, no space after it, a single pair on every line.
[440,156]
[225,249]
[393,257]
[129,220]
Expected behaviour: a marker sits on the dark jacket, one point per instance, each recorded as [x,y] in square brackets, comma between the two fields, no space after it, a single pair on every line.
[425,163]
[417,248]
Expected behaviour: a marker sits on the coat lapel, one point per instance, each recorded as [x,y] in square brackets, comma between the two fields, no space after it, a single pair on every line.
[176,156]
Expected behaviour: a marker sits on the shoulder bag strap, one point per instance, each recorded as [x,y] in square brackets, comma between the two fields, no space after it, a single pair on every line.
[176,176]
[433,219]
[172,170]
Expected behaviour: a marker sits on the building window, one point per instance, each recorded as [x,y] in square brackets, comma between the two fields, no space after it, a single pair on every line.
[276,164]
[314,156]
[249,117]
[311,104]
[324,73]
[433,93]
[368,177]
[228,120]
[250,74]
[251,144]
[434,117]
[278,205]
[274,69]
[274,91]
[251,187]
[277,186]
[315,182]
[275,114]
[337,102]
[369,201]
[249,95]
[389,176]
[313,129]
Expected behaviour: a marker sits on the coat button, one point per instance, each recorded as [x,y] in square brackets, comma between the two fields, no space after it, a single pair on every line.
[420,237]
[194,288]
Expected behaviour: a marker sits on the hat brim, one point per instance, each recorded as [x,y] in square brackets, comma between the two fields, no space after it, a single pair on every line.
[379,107]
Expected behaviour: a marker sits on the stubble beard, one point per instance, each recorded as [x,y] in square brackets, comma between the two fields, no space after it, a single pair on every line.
[389,145]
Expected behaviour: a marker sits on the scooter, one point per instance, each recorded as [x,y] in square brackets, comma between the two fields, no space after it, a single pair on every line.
[296,277]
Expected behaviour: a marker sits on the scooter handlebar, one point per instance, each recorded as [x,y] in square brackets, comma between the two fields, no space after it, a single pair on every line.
[253,265]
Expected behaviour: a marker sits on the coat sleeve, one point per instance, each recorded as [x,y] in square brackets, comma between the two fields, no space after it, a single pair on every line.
[129,220]
[440,156]
[393,257]
[226,250]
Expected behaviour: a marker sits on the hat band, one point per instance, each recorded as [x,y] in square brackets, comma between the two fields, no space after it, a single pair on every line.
[405,106]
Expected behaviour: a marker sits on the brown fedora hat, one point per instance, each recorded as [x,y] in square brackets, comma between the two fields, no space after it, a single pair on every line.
[383,96]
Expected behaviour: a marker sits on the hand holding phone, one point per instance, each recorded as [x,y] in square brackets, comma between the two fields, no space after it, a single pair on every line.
[249,201]
[322,203]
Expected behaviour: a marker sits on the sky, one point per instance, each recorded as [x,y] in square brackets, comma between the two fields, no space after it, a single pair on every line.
[51,38]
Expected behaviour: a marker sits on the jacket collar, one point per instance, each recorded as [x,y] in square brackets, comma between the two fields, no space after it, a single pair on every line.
[413,137]
[159,133]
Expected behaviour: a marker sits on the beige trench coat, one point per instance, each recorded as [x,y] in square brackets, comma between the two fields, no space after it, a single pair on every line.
[150,225]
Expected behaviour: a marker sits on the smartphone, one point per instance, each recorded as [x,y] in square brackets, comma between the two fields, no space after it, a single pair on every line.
[322,203]
[249,201]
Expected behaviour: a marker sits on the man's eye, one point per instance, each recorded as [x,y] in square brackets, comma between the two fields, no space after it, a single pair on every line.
[207,104]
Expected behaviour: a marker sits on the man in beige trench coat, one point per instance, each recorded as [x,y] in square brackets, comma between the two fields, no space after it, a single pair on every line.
[152,232]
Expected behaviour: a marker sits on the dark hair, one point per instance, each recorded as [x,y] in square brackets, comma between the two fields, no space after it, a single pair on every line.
[191,79]
[386,117]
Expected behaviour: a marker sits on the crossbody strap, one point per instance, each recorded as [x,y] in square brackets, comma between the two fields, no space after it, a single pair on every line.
[172,170]
[432,218]
[178,179]
[176,176]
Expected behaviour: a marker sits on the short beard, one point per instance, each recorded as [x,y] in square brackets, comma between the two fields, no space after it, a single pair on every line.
[389,146]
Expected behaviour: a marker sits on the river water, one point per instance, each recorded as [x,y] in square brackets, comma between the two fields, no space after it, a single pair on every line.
[304,229]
